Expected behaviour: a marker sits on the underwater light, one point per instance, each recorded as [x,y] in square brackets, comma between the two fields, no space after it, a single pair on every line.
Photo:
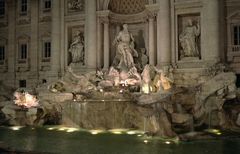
[101,90]
[51,128]
[95,132]
[168,142]
[16,127]
[117,132]
[62,128]
[70,130]
[145,141]
[139,135]
[131,132]
[214,131]
[121,91]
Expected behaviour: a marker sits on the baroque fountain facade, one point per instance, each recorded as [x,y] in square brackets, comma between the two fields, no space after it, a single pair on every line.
[147,65]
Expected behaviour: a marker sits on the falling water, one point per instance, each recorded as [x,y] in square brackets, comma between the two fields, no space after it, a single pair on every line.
[73,112]
[209,118]
[191,124]
[144,124]
[179,108]
[104,114]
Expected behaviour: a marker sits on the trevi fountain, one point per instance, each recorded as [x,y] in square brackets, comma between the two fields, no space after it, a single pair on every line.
[129,96]
[133,96]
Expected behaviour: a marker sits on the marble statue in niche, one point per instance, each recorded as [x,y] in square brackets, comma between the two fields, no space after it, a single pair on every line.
[189,39]
[144,57]
[77,48]
[125,51]
[77,5]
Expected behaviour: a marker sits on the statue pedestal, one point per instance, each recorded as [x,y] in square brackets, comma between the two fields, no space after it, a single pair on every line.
[78,68]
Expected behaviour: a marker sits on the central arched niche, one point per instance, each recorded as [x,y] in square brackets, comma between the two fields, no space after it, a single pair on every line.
[135,14]
[127,6]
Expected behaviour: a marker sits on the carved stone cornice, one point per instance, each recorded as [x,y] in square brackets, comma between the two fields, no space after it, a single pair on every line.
[115,18]
[132,18]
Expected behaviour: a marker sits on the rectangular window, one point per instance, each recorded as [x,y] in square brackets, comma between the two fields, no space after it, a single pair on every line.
[236,35]
[47,4]
[24,6]
[2,7]
[2,53]
[22,83]
[23,51]
[47,50]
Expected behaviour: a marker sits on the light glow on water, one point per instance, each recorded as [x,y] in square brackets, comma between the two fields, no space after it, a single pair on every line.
[86,141]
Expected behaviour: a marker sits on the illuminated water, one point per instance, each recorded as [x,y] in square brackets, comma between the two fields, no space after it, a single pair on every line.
[72,141]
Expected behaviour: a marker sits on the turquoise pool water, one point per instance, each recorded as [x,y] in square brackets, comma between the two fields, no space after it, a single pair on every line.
[72,141]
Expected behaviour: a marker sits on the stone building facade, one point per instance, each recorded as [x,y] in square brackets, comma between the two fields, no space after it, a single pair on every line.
[36,35]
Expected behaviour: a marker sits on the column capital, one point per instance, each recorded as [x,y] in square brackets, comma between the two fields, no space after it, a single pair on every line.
[104,20]
[152,11]
[103,16]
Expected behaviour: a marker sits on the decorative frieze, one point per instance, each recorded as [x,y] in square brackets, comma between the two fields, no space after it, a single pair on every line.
[75,5]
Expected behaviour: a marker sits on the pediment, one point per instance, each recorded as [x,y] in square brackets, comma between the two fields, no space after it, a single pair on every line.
[46,34]
[3,40]
[234,15]
[24,37]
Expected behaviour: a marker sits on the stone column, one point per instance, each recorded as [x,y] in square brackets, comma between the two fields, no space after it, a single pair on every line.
[99,44]
[63,63]
[118,28]
[91,25]
[163,33]
[151,42]
[34,59]
[106,44]
[211,31]
[55,40]
[146,37]
[11,54]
